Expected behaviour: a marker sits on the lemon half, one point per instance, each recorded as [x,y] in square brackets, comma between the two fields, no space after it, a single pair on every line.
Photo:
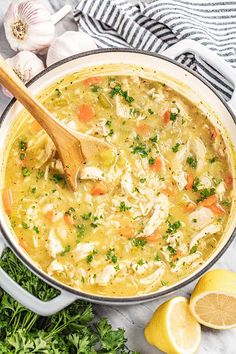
[213,301]
[173,329]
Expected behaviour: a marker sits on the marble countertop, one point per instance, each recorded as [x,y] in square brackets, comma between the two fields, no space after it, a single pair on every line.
[134,318]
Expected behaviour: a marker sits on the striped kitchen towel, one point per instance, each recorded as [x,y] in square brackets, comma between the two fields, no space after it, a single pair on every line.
[158,25]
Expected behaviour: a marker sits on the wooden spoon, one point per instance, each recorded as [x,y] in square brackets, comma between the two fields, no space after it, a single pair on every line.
[74,148]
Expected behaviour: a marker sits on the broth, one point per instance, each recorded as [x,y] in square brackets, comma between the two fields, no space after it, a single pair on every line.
[140,220]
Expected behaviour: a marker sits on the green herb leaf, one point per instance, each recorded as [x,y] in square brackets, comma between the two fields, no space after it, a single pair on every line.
[193,249]
[205,193]
[123,207]
[139,242]
[66,250]
[111,255]
[175,148]
[192,161]
[25,171]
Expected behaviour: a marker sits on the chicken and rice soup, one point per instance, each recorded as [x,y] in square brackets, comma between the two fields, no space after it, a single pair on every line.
[140,219]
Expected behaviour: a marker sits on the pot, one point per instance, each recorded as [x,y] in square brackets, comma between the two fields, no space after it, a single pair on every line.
[183,80]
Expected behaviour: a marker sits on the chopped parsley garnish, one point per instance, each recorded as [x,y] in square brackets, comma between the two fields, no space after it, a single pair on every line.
[86,216]
[70,211]
[153,139]
[90,257]
[36,229]
[140,148]
[164,283]
[94,223]
[175,148]
[58,178]
[205,193]
[173,116]
[142,180]
[111,255]
[95,88]
[66,250]
[117,90]
[58,92]
[226,202]
[172,228]
[216,181]
[22,156]
[40,174]
[150,111]
[196,183]
[23,145]
[157,258]
[193,249]
[33,190]
[25,226]
[139,242]
[140,262]
[171,250]
[151,161]
[123,207]
[25,171]
[192,161]
[117,267]
[213,159]
[80,228]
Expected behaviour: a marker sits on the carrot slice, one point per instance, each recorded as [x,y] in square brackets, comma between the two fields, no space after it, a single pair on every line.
[126,232]
[68,219]
[99,188]
[190,206]
[168,190]
[177,255]
[166,118]
[229,179]
[190,182]
[48,216]
[144,129]
[7,201]
[157,165]
[94,80]
[217,209]
[212,199]
[24,162]
[86,113]
[24,245]
[153,237]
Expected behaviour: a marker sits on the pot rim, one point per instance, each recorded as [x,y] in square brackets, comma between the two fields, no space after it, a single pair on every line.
[98,298]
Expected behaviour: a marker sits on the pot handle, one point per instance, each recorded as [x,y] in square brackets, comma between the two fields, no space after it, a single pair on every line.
[43,308]
[196,48]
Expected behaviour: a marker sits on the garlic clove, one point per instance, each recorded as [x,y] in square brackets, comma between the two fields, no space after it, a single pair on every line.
[69,43]
[26,65]
[29,25]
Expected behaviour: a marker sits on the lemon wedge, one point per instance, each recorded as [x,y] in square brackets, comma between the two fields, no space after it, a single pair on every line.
[173,329]
[213,301]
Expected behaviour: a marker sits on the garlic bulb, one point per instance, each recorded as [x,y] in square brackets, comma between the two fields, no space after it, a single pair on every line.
[26,65]
[29,25]
[69,43]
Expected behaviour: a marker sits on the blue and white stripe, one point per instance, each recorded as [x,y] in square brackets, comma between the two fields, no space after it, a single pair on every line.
[158,25]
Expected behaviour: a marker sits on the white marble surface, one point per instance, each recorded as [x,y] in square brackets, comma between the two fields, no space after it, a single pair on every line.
[133,318]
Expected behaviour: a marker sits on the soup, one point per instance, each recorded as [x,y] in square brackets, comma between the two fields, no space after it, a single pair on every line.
[141,219]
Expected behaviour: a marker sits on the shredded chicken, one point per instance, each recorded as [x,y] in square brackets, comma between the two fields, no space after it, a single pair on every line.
[208,230]
[160,213]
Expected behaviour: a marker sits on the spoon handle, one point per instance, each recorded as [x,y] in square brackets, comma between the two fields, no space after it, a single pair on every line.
[11,81]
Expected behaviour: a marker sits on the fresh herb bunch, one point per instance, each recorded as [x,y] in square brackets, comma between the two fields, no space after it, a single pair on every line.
[69,331]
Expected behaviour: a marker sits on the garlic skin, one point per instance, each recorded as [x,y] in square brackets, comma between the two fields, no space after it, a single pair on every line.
[69,43]
[28,26]
[26,65]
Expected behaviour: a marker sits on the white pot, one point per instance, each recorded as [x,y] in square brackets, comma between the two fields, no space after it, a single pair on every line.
[180,78]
